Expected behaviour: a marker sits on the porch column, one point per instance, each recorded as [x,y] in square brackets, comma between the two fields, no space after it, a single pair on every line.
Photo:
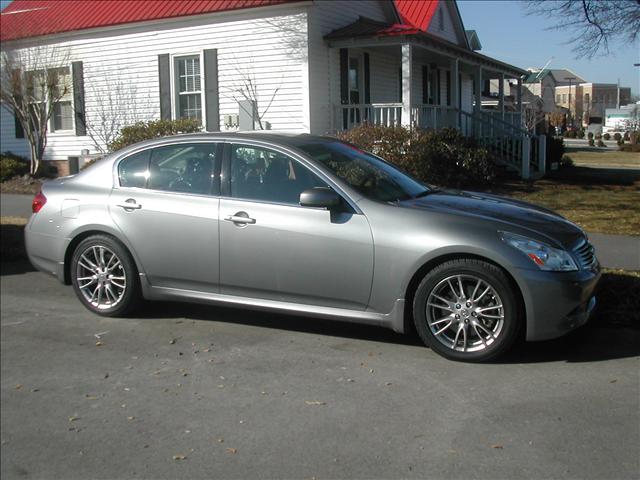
[477,81]
[501,95]
[455,101]
[520,99]
[407,60]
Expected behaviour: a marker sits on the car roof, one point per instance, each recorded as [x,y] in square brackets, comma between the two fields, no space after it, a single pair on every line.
[292,139]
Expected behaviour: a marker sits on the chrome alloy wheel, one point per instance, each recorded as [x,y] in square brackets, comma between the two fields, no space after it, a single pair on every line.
[465,313]
[101,277]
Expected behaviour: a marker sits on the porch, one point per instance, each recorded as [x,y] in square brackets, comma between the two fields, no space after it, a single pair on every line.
[420,81]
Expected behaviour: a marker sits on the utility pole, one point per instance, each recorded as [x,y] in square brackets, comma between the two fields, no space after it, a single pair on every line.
[618,101]
[571,79]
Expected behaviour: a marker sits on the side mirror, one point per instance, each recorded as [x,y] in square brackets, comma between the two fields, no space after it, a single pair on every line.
[319,197]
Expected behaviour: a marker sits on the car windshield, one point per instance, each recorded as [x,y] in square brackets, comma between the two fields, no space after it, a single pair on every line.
[369,175]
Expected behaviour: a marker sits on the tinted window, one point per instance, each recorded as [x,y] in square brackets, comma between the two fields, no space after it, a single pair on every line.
[133,171]
[184,168]
[369,175]
[263,174]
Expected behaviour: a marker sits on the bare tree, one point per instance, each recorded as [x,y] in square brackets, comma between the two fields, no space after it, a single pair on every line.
[532,116]
[594,23]
[557,118]
[245,87]
[117,105]
[33,81]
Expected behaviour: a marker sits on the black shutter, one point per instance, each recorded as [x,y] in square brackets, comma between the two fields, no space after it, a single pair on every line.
[18,127]
[211,97]
[425,84]
[78,98]
[438,90]
[448,80]
[164,75]
[367,80]
[344,76]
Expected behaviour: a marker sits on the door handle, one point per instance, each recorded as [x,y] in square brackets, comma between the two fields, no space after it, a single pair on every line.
[129,204]
[240,218]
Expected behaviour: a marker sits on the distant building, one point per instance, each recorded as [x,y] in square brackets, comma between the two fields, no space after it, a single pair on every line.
[622,119]
[587,102]
[540,86]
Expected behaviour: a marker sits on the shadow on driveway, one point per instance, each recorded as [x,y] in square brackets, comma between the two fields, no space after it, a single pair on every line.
[597,341]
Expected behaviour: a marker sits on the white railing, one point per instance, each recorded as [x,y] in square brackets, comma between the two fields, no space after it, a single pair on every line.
[387,114]
[505,138]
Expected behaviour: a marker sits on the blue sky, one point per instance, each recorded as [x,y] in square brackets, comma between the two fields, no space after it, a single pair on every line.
[508,34]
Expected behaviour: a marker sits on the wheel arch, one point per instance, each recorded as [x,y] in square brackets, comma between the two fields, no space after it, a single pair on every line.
[432,263]
[90,231]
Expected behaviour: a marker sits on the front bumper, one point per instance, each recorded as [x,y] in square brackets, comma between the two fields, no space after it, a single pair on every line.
[557,302]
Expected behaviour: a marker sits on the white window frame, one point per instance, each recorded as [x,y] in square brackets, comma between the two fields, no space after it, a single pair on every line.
[174,83]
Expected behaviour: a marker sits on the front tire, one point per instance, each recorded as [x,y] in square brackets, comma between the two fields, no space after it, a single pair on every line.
[104,276]
[467,310]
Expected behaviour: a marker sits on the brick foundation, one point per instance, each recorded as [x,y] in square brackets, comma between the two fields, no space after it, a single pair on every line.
[62,167]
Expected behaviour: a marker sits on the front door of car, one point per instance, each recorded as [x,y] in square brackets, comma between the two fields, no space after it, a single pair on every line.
[272,248]
[166,205]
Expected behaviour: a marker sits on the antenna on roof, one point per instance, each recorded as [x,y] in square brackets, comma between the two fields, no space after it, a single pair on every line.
[545,66]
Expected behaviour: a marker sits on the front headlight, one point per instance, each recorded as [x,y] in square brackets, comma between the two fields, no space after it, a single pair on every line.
[544,256]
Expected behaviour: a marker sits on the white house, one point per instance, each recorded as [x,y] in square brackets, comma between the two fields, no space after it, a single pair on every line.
[309,66]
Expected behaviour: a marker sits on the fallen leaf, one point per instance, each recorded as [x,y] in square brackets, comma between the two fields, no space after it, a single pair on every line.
[18,386]
[131,418]
[74,418]
[99,343]
[90,397]
[232,451]
[314,402]
[371,370]
[172,341]
[388,384]
[98,335]
[614,380]
[106,375]
[220,440]
[35,390]
[497,446]
[179,457]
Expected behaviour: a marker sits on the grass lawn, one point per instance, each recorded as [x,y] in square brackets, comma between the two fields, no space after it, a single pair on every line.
[599,200]
[604,157]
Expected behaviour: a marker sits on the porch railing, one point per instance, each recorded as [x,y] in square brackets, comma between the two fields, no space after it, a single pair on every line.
[348,116]
[505,138]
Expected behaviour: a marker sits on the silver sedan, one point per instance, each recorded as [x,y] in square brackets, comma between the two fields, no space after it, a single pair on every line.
[317,227]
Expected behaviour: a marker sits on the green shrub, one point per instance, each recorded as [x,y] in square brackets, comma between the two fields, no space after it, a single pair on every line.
[444,157]
[600,143]
[628,147]
[141,131]
[617,137]
[607,136]
[626,136]
[555,149]
[620,141]
[12,165]
[570,134]
[592,143]
[566,161]
[580,133]
[590,135]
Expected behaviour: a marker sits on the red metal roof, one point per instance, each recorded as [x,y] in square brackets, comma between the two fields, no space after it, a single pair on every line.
[417,13]
[32,18]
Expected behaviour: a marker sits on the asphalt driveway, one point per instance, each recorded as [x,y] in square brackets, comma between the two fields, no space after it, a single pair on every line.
[187,391]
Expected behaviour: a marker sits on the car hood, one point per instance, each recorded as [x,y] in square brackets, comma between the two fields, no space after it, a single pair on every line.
[539,220]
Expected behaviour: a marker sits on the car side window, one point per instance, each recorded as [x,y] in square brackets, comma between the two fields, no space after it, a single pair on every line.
[186,168]
[133,171]
[259,173]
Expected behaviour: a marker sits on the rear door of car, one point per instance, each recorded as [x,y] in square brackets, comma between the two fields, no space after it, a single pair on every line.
[273,248]
[166,204]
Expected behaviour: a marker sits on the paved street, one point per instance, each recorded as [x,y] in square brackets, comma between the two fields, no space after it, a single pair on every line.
[238,394]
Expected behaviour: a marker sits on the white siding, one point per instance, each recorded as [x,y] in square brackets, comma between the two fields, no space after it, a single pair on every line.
[270,50]
[9,142]
[449,32]
[324,62]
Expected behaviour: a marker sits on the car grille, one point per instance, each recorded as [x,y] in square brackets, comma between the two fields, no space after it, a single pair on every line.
[586,255]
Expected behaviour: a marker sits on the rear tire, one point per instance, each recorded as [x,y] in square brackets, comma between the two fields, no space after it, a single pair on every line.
[467,310]
[104,276]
